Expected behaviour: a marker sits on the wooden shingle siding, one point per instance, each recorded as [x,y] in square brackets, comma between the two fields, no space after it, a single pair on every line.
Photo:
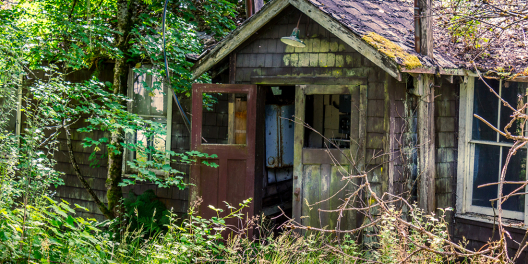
[72,190]
[324,54]
[446,130]
[399,129]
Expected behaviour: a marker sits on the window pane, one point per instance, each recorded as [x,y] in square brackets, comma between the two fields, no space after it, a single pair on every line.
[224,118]
[328,114]
[516,172]
[485,105]
[150,147]
[515,94]
[149,97]
[486,170]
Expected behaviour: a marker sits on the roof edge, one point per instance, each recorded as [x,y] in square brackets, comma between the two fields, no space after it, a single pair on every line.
[349,37]
[238,36]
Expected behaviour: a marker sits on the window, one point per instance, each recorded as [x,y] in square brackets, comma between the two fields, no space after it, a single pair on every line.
[483,152]
[152,101]
[329,114]
[224,118]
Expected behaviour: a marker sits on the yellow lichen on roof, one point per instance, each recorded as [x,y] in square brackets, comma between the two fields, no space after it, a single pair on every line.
[392,50]
[525,71]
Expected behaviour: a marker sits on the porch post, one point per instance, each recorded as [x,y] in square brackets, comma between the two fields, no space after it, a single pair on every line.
[426,142]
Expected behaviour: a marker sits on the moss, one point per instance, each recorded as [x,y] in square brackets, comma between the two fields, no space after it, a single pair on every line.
[392,50]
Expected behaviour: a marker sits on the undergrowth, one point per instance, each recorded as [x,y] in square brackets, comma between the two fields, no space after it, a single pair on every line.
[52,234]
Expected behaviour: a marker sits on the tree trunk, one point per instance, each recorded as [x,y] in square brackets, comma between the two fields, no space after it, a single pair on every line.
[115,156]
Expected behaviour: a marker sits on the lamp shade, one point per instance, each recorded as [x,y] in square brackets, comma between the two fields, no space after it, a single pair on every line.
[294,39]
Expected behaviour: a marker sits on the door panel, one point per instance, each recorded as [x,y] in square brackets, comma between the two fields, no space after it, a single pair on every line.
[318,170]
[234,179]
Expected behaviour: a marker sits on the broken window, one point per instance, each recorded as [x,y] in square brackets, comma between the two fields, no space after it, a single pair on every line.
[152,101]
[490,149]
[224,118]
[328,116]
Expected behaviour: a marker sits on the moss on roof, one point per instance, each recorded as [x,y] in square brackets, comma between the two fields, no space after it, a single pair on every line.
[392,50]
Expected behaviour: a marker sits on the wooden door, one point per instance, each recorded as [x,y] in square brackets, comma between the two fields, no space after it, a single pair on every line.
[233,180]
[318,166]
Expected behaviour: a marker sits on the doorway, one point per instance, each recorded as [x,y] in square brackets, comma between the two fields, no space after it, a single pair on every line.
[278,159]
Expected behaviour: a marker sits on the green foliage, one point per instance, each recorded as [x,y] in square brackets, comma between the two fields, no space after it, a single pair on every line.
[49,233]
[145,212]
[396,242]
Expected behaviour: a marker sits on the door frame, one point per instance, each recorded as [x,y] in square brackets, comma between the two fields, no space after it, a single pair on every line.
[359,133]
[245,150]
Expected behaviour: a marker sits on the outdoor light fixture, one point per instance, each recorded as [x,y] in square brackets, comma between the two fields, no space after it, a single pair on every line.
[293,39]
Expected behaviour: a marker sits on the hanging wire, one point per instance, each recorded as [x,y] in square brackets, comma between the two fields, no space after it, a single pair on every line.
[188,123]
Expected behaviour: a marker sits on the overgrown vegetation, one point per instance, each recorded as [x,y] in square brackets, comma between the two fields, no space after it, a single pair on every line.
[45,40]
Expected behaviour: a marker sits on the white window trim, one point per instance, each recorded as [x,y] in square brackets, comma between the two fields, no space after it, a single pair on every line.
[126,153]
[466,158]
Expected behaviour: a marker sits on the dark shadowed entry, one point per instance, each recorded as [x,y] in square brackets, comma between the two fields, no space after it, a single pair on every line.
[224,126]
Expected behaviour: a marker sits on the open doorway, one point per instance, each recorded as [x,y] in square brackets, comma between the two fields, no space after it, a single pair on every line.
[278,158]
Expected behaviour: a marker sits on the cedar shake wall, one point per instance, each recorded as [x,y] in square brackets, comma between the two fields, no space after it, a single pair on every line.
[446,141]
[72,190]
[477,234]
[325,55]
[402,136]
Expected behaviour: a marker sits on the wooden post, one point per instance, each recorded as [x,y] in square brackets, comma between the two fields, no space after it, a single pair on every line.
[297,153]
[231,101]
[426,141]
[426,28]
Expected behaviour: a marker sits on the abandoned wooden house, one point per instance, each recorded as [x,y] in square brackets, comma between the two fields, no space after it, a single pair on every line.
[356,72]
[392,98]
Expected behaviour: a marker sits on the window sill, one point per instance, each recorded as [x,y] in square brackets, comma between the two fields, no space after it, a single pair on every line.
[511,223]
[158,173]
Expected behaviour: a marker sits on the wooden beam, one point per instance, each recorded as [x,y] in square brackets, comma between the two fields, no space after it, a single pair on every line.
[219,70]
[465,123]
[348,37]
[362,142]
[302,80]
[426,141]
[324,89]
[388,167]
[238,36]
[313,156]
[441,71]
[449,78]
[297,153]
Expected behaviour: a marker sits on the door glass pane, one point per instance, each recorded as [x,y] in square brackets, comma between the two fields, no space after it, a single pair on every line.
[486,170]
[515,94]
[224,118]
[329,115]
[485,105]
[516,172]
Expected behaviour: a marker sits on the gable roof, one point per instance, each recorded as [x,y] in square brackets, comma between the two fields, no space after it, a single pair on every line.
[382,31]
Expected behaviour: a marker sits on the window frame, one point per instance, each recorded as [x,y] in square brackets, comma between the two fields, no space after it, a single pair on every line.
[466,157]
[127,154]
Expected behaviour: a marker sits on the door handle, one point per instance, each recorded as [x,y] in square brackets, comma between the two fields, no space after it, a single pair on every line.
[297,192]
